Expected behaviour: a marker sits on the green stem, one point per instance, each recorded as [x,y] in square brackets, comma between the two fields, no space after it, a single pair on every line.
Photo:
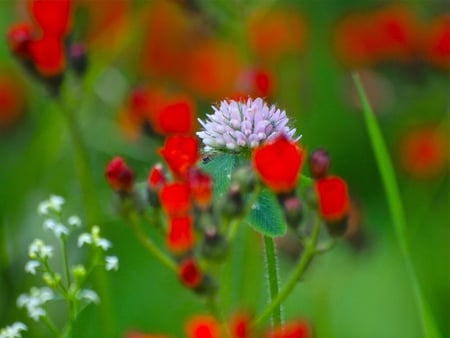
[273,279]
[51,326]
[307,255]
[386,170]
[65,261]
[148,243]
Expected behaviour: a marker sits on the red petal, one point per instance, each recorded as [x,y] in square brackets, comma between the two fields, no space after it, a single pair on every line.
[180,153]
[333,196]
[189,273]
[297,329]
[175,199]
[181,234]
[53,16]
[48,55]
[202,327]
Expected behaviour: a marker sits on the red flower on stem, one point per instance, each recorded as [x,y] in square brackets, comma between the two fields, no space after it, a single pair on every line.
[119,176]
[19,38]
[203,327]
[201,188]
[52,16]
[48,55]
[334,201]
[190,273]
[175,199]
[180,237]
[278,163]
[157,178]
[181,153]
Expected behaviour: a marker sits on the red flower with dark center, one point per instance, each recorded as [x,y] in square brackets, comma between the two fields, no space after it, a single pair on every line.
[119,176]
[190,273]
[203,327]
[180,237]
[19,37]
[175,199]
[297,329]
[334,201]
[278,163]
[180,153]
[52,16]
[48,55]
[201,188]
[157,178]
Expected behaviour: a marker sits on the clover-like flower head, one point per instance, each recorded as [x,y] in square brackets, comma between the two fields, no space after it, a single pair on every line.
[238,125]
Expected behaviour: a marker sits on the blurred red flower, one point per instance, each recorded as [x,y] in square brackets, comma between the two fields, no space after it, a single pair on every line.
[278,163]
[437,42]
[119,175]
[175,199]
[334,201]
[181,153]
[19,37]
[53,17]
[12,100]
[48,55]
[190,273]
[424,151]
[203,327]
[201,188]
[156,178]
[180,237]
[295,329]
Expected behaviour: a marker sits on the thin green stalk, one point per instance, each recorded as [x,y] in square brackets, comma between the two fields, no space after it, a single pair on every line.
[307,255]
[273,278]
[51,326]
[65,261]
[394,201]
[148,243]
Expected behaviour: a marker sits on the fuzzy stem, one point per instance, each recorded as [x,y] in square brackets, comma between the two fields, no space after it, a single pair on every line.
[273,279]
[307,255]
[394,201]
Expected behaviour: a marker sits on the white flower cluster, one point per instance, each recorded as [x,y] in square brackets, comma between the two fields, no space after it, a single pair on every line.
[93,239]
[34,301]
[13,331]
[53,204]
[237,125]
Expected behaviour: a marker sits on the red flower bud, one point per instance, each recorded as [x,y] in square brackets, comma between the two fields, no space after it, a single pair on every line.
[334,201]
[180,153]
[157,178]
[19,37]
[119,176]
[190,273]
[175,199]
[203,327]
[177,117]
[48,55]
[240,326]
[201,188]
[180,237]
[319,163]
[297,329]
[52,16]
[278,163]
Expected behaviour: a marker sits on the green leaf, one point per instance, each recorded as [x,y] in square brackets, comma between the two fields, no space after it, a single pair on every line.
[266,215]
[220,168]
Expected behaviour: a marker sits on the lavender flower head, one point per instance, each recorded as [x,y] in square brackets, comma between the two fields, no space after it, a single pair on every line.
[239,125]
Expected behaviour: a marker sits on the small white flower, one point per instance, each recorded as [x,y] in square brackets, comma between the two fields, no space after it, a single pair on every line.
[112,263]
[31,266]
[38,249]
[34,300]
[13,331]
[74,221]
[88,295]
[238,125]
[94,239]
[43,208]
[56,202]
[57,228]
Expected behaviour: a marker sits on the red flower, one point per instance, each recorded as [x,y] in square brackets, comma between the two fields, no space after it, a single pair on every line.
[201,188]
[177,117]
[424,151]
[175,199]
[12,100]
[180,153]
[52,16]
[240,326]
[437,42]
[48,55]
[119,176]
[202,327]
[278,163]
[334,201]
[256,82]
[190,274]
[297,329]
[181,234]
[157,178]
[19,37]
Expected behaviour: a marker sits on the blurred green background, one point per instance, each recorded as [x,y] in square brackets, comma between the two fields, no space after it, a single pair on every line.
[359,290]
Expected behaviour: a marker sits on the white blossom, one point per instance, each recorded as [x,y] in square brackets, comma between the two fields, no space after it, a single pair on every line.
[34,300]
[54,203]
[38,249]
[238,125]
[57,228]
[88,295]
[94,239]
[31,266]
[13,331]
[74,221]
[112,263]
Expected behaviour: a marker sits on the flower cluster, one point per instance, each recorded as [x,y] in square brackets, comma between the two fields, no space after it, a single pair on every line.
[239,326]
[69,284]
[13,331]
